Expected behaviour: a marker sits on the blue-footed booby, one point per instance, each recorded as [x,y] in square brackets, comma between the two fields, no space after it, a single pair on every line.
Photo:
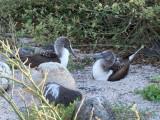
[109,67]
[60,53]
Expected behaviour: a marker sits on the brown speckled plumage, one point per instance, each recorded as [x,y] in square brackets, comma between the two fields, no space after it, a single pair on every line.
[37,59]
[53,55]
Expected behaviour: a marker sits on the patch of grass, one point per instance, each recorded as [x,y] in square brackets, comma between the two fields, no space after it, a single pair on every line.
[151,92]
[123,112]
[66,113]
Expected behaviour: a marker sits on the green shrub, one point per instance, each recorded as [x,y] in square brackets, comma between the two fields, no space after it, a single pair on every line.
[87,21]
[151,92]
[65,113]
[124,112]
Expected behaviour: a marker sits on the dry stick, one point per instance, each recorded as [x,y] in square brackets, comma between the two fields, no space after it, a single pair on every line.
[133,30]
[40,95]
[40,114]
[82,101]
[12,81]
[91,114]
[22,98]
[14,106]
[44,114]
[42,83]
[36,108]
[50,117]
[97,118]
[26,72]
[136,111]
[44,99]
[41,92]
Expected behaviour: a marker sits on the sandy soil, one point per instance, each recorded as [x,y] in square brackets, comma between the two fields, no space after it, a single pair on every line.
[123,91]
[116,92]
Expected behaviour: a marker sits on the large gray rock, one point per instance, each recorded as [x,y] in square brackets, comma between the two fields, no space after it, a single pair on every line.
[56,73]
[95,108]
[3,58]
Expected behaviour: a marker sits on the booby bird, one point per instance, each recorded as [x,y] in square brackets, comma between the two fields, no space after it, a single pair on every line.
[60,53]
[60,95]
[110,67]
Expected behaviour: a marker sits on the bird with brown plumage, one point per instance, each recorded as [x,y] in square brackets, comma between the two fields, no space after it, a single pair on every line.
[60,53]
[110,67]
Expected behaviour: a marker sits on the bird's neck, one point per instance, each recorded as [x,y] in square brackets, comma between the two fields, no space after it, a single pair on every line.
[64,58]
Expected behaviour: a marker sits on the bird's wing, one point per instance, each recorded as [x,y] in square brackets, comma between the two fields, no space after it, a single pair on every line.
[49,54]
[121,73]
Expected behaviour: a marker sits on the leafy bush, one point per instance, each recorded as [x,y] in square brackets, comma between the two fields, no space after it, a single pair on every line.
[151,92]
[90,21]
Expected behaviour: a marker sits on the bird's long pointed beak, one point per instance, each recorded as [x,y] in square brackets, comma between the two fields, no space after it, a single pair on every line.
[98,56]
[133,55]
[72,52]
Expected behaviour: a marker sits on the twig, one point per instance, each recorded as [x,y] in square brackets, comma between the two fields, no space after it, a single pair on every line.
[136,111]
[82,101]
[91,115]
[14,106]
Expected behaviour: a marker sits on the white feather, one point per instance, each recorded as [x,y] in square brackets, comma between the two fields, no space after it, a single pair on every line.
[65,57]
[99,73]
[53,89]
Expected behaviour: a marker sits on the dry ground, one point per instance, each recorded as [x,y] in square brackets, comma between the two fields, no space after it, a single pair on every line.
[116,92]
[121,91]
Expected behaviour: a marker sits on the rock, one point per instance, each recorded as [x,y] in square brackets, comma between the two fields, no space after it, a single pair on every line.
[6,72]
[36,76]
[2,58]
[57,73]
[95,108]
